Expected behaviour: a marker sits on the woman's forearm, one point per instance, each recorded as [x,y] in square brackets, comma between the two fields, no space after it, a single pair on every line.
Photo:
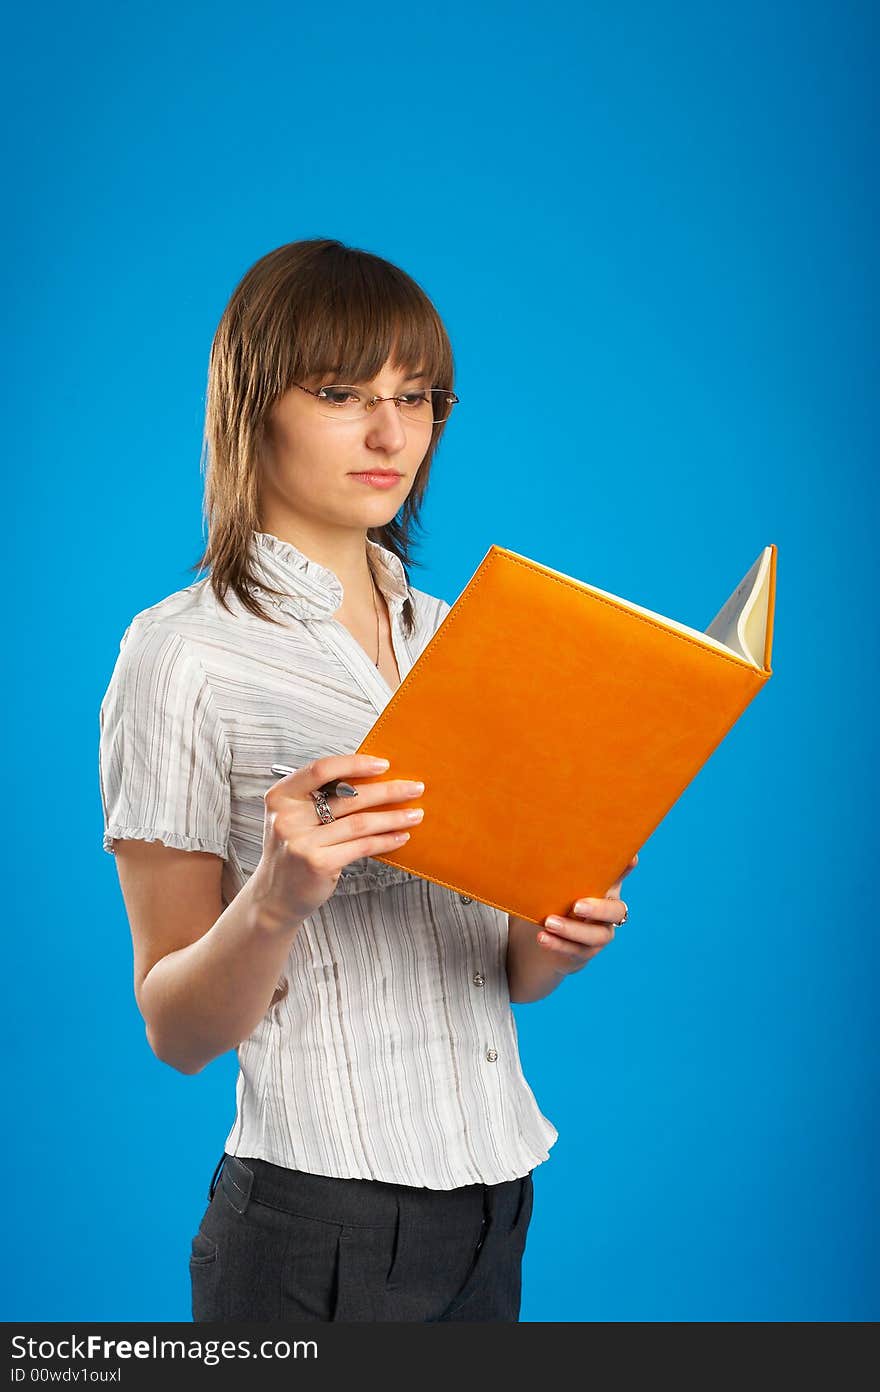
[532,972]
[204,999]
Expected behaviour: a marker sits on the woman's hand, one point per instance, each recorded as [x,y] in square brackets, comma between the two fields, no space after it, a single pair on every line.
[575,941]
[303,856]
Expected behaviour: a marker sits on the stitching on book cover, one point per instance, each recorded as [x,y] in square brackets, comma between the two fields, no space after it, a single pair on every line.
[457,889]
[645,618]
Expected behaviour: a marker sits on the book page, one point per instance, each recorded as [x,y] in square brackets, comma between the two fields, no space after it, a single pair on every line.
[741,623]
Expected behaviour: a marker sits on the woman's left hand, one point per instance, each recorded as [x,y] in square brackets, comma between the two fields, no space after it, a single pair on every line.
[575,941]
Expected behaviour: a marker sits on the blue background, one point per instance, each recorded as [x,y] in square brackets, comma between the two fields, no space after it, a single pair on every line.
[650,231]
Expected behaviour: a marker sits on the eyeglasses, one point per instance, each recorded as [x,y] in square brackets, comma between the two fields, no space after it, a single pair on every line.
[430,406]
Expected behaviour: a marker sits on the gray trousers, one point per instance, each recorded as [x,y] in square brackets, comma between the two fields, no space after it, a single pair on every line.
[280,1244]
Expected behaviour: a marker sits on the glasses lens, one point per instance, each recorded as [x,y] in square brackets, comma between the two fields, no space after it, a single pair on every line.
[346,402]
[429,407]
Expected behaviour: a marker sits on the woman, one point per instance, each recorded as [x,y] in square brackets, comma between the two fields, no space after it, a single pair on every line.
[379,1163]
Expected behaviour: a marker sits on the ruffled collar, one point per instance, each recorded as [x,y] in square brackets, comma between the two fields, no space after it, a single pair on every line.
[311,590]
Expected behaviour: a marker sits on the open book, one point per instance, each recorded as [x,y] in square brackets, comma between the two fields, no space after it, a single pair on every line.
[555,724]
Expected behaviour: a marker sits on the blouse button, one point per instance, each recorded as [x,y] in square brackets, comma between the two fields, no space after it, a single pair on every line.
[464,899]
[491,1055]
[479,978]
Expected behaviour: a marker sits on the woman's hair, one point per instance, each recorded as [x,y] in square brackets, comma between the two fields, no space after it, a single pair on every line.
[306,308]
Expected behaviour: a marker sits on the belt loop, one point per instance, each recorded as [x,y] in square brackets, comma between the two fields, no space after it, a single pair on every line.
[215,1176]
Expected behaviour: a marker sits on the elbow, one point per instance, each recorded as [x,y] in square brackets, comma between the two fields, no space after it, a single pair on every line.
[514,993]
[183,1067]
[166,1056]
[519,993]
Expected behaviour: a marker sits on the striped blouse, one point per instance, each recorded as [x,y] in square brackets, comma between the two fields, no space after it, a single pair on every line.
[393,1053]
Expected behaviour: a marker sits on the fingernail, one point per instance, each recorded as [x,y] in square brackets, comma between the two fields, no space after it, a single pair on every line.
[378,763]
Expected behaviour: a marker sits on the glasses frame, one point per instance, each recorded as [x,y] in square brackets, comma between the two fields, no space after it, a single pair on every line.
[373,401]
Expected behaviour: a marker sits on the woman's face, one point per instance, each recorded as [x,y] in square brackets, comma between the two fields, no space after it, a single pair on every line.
[312,459]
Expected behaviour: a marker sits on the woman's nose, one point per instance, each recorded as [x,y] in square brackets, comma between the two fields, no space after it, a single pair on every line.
[384,421]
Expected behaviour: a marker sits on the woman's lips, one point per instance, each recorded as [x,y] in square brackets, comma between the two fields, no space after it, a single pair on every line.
[375,480]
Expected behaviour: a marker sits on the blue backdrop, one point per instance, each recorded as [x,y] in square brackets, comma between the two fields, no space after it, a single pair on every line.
[650,232]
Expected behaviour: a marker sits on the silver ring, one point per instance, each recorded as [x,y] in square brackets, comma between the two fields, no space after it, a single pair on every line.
[324,812]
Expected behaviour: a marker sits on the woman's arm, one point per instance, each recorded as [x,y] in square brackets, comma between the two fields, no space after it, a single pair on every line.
[204,975]
[532,972]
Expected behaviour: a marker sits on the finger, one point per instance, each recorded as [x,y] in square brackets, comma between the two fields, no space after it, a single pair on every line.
[331,767]
[348,827]
[606,910]
[576,931]
[615,888]
[567,952]
[398,791]
[342,853]
[328,768]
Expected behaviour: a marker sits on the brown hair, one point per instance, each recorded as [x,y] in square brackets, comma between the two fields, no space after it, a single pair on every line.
[308,307]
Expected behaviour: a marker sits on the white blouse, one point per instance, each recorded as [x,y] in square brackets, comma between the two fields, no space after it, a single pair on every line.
[393,1054]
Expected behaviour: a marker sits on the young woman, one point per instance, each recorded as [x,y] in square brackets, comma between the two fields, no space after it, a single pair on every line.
[379,1163]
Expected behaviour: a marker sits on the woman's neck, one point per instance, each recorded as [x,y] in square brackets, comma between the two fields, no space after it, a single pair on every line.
[345,554]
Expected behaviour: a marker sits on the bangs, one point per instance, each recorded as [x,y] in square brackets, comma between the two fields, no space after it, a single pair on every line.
[348,313]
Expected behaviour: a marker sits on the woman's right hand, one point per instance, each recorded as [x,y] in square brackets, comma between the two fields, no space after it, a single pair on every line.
[303,856]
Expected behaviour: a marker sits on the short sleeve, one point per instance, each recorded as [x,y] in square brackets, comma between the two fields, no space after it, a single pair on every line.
[164,760]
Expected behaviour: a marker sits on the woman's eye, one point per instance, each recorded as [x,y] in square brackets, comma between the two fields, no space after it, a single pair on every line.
[416,397]
[337,396]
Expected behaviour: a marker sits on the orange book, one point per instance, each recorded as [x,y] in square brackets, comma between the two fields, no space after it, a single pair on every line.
[555,725]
